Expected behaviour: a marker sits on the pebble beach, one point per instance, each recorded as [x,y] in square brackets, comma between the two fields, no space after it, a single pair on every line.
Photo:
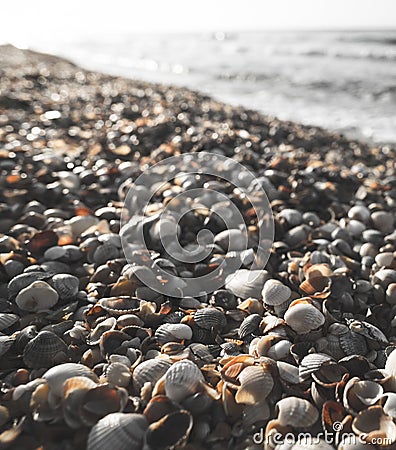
[96,354]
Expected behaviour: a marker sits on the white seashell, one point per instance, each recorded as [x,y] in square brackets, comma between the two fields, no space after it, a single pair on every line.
[256,384]
[388,401]
[182,380]
[384,259]
[359,212]
[171,332]
[57,375]
[275,292]
[303,317]
[101,328]
[373,422]
[118,431]
[288,373]
[247,283]
[280,350]
[296,412]
[37,297]
[383,221]
[312,362]
[390,294]
[254,414]
[118,374]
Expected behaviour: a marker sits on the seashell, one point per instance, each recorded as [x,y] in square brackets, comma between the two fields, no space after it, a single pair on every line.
[210,319]
[67,286]
[312,363]
[250,326]
[255,385]
[388,403]
[280,350]
[231,240]
[255,414]
[391,294]
[7,320]
[293,217]
[158,407]
[45,350]
[169,332]
[246,283]
[182,379]
[54,253]
[369,331]
[296,412]
[118,306]
[121,431]
[383,221]
[303,317]
[118,374]
[372,423]
[297,235]
[41,241]
[359,394]
[57,375]
[149,371]
[384,259]
[353,343]
[6,343]
[275,293]
[359,212]
[224,299]
[288,373]
[170,431]
[79,224]
[37,296]
[108,324]
[384,277]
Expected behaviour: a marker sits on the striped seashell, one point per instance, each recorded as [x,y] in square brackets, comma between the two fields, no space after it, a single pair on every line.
[182,380]
[353,343]
[6,343]
[246,283]
[296,412]
[67,286]
[255,385]
[210,319]
[37,296]
[24,280]
[149,371]
[7,320]
[275,293]
[312,363]
[57,375]
[118,374]
[121,431]
[169,332]
[44,350]
[303,317]
[250,326]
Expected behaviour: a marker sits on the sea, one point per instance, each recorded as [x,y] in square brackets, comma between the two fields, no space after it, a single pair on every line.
[340,80]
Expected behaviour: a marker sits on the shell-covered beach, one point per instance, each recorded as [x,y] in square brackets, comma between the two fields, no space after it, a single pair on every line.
[109,343]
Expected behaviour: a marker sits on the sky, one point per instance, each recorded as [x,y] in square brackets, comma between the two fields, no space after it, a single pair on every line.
[26,20]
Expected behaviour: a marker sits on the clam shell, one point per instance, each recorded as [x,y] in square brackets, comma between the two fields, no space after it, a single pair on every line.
[44,350]
[231,240]
[388,402]
[296,412]
[255,385]
[57,375]
[182,380]
[372,423]
[169,332]
[246,283]
[149,371]
[312,363]
[6,320]
[170,431]
[288,373]
[24,280]
[36,297]
[250,326]
[6,343]
[303,317]
[210,319]
[118,374]
[67,286]
[275,292]
[121,431]
[106,325]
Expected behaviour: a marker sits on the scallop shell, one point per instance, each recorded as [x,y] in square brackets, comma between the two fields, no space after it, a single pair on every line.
[303,317]
[246,283]
[275,292]
[182,380]
[118,306]
[67,286]
[169,332]
[210,318]
[6,320]
[44,350]
[170,431]
[121,431]
[288,373]
[57,375]
[372,423]
[149,371]
[36,297]
[296,412]
[255,385]
[312,363]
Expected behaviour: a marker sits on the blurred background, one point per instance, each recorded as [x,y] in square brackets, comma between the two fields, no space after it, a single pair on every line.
[330,63]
